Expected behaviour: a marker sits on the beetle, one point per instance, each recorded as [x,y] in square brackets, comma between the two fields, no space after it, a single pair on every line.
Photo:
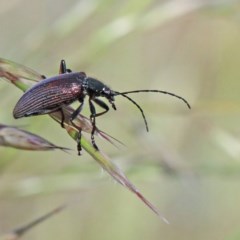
[51,94]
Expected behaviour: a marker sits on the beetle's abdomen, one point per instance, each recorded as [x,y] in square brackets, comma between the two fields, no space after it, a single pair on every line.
[49,95]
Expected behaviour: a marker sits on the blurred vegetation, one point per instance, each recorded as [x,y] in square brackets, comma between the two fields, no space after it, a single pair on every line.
[188,164]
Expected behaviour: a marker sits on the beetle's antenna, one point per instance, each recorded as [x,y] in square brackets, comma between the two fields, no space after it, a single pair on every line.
[130,99]
[157,91]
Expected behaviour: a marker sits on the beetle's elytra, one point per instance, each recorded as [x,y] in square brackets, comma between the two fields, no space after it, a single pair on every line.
[50,94]
[47,96]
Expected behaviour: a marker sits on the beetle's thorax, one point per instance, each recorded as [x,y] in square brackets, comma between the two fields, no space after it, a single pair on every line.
[85,85]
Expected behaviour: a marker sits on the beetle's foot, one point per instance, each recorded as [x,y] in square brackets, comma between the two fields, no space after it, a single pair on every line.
[63,118]
[95,145]
[93,131]
[93,140]
[79,146]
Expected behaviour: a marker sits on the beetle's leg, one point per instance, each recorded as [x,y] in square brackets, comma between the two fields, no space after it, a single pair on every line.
[79,146]
[63,68]
[63,117]
[74,115]
[93,121]
[77,111]
[102,105]
[94,115]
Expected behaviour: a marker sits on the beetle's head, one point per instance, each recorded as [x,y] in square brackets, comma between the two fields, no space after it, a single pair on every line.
[99,89]
[96,88]
[108,93]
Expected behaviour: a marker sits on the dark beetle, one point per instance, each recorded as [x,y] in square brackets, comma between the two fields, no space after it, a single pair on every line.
[51,94]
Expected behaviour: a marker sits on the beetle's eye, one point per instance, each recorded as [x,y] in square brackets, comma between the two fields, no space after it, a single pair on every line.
[106,91]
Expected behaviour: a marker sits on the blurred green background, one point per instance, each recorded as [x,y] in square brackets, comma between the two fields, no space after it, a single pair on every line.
[188,164]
